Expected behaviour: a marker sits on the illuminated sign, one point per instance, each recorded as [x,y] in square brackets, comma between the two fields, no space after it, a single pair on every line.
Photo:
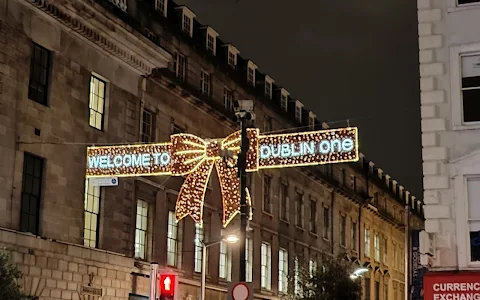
[194,157]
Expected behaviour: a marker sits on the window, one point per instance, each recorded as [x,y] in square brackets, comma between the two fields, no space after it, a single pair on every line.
[460,2]
[283,195]
[199,237]
[282,270]
[353,182]
[385,251]
[161,6]
[395,288]
[267,124]
[147,126]
[343,229]
[251,68]
[473,217]
[177,129]
[367,242]
[313,216]
[97,102]
[39,74]
[311,121]
[395,256]
[385,289]
[402,260]
[228,98]
[205,83]
[225,262]
[298,111]
[266,265]
[268,88]
[326,222]
[32,180]
[312,266]
[211,40]
[298,209]
[249,259]
[187,24]
[296,276]
[377,290]
[141,229]
[174,241]
[284,101]
[376,245]
[353,236]
[179,66]
[267,204]
[367,288]
[91,226]
[232,58]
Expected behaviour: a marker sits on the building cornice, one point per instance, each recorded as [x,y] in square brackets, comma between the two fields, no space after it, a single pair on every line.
[141,55]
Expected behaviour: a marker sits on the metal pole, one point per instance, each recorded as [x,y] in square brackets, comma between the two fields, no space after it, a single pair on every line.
[407,252]
[204,272]
[153,280]
[242,165]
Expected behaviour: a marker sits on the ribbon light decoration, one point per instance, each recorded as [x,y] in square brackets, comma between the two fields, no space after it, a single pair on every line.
[194,157]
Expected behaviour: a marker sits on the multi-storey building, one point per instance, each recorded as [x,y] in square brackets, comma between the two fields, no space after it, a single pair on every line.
[450,70]
[76,73]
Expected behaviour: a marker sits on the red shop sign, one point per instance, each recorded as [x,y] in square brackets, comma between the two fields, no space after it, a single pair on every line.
[451,286]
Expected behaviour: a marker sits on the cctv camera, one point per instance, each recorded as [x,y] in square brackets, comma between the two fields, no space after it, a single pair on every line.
[243,105]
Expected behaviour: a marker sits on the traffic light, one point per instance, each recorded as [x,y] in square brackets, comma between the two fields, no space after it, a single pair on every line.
[167,286]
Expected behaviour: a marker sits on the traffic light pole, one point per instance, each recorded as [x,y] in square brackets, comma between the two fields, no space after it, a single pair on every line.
[242,166]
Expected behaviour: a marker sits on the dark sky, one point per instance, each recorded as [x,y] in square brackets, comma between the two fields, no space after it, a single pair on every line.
[348,59]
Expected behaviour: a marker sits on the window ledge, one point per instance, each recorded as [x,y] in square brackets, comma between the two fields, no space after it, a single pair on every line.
[265,291]
[314,234]
[326,239]
[463,7]
[471,126]
[299,228]
[267,213]
[285,221]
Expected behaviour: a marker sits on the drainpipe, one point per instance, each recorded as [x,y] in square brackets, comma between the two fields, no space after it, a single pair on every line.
[331,218]
[143,88]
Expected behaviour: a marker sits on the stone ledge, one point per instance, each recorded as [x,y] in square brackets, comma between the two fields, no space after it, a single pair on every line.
[430,125]
[434,153]
[429,139]
[429,15]
[432,69]
[430,42]
[437,212]
[435,182]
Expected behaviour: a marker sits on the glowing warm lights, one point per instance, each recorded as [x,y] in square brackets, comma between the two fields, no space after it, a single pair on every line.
[194,157]
[308,148]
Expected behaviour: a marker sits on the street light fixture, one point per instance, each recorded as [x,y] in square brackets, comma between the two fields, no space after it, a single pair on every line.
[358,273]
[231,239]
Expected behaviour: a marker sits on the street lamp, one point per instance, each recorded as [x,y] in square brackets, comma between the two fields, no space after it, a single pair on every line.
[358,273]
[231,239]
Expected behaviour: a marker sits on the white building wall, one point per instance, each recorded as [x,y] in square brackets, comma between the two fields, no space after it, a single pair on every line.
[446,31]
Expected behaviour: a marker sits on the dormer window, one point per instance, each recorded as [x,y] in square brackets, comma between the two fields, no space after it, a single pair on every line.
[298,111]
[187,19]
[232,53]
[268,86]
[251,70]
[284,99]
[311,120]
[161,6]
[211,42]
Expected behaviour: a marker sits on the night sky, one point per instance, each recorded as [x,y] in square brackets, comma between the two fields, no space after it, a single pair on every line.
[348,59]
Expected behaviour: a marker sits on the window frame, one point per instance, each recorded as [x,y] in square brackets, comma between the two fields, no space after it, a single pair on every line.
[367,242]
[148,137]
[267,267]
[283,201]
[343,231]
[41,178]
[205,85]
[284,99]
[299,111]
[103,123]
[189,24]
[228,98]
[48,73]
[177,66]
[211,33]
[456,54]
[326,223]
[97,233]
[138,229]
[198,248]
[251,70]
[164,3]
[313,224]
[283,270]
[299,209]
[267,194]
[178,240]
[461,169]
[376,247]
[249,258]
[353,235]
[268,87]
[225,252]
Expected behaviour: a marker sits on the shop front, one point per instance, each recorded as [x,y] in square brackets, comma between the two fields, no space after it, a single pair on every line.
[452,286]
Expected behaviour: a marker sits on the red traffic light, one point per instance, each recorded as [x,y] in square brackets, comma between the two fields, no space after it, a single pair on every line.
[167,285]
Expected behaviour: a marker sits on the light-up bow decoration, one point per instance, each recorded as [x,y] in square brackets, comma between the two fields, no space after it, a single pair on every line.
[194,157]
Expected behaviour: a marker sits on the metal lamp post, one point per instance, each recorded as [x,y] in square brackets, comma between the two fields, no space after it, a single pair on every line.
[231,239]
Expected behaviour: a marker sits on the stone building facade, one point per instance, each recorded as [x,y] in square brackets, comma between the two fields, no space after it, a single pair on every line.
[450,69]
[75,73]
